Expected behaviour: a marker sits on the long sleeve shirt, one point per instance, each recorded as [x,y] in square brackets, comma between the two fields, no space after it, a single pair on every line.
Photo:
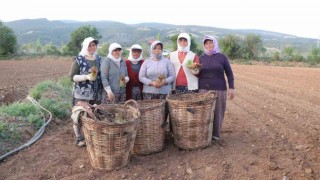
[110,74]
[212,72]
[151,70]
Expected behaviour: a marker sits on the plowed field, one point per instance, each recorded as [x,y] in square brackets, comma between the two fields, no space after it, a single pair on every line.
[271,131]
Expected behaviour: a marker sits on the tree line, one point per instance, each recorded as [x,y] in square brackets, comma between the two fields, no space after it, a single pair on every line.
[248,47]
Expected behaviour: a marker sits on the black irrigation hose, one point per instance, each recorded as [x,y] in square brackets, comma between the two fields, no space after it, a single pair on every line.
[36,136]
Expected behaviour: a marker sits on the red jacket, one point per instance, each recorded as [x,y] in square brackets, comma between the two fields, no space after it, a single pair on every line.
[134,77]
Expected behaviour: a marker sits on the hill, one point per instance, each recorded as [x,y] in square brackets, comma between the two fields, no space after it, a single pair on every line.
[59,32]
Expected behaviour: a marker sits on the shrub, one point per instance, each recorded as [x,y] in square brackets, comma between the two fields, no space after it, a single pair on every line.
[23,109]
[38,89]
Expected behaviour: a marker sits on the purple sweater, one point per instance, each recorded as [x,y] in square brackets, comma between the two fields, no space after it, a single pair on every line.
[212,72]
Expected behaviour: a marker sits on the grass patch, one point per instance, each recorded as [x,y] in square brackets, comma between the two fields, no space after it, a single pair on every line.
[37,91]
[23,109]
[9,137]
[59,109]
[19,116]
[65,82]
[55,96]
[9,132]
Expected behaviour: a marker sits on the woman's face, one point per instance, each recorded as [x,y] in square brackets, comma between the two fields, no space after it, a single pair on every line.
[136,53]
[183,42]
[208,44]
[157,49]
[92,48]
[116,53]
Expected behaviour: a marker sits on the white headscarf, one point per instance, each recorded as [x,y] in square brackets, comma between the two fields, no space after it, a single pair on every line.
[135,46]
[85,46]
[187,48]
[112,47]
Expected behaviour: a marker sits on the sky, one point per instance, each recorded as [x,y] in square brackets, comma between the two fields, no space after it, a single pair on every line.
[295,17]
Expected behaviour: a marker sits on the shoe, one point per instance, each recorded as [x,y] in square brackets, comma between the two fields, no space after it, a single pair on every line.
[218,141]
[214,138]
[81,143]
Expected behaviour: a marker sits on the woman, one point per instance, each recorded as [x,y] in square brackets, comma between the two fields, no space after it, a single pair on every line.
[182,58]
[157,75]
[134,62]
[114,75]
[85,73]
[214,66]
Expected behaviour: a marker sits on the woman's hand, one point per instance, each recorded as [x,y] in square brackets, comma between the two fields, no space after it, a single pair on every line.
[111,96]
[231,93]
[157,84]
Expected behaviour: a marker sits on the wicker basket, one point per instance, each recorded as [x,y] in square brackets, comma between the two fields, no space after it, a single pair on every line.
[109,145]
[192,119]
[150,134]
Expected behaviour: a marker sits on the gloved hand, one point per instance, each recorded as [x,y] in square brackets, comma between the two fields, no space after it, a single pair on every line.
[127,79]
[80,78]
[91,77]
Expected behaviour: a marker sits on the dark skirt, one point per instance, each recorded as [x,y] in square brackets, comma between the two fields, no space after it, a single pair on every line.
[219,111]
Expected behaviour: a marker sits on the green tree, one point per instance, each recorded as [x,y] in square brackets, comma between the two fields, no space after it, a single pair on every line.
[314,55]
[288,53]
[253,46]
[77,37]
[38,46]
[230,46]
[158,36]
[104,49]
[145,50]
[28,48]
[276,56]
[8,40]
[51,49]
[65,50]
[125,53]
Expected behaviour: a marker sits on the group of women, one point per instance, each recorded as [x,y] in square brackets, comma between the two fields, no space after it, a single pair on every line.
[115,80]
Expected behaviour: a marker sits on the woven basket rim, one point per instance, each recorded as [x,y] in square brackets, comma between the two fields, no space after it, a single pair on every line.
[206,97]
[104,123]
[157,103]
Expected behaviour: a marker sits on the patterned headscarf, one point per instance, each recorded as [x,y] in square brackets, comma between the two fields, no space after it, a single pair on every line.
[85,46]
[135,46]
[153,45]
[215,49]
[187,48]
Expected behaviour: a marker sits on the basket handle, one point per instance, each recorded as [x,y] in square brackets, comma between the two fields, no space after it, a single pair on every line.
[209,92]
[132,103]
